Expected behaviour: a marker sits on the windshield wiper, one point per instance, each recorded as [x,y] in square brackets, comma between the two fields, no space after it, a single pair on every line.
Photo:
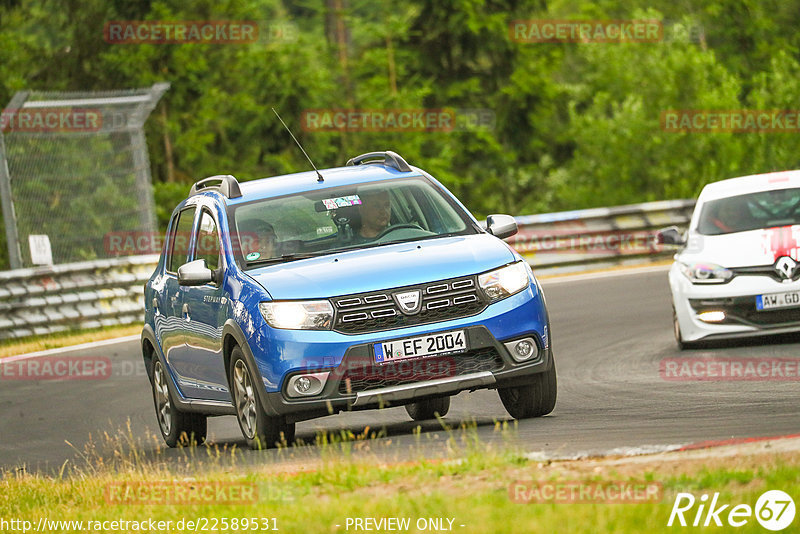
[284,258]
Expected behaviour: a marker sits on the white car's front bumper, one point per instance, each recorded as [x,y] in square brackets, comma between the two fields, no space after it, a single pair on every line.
[742,319]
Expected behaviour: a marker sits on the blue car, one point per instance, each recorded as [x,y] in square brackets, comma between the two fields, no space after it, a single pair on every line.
[366,286]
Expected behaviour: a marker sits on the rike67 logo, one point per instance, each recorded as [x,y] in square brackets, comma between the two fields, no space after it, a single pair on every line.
[774,510]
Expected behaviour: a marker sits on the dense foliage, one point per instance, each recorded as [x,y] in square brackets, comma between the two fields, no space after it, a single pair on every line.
[575,124]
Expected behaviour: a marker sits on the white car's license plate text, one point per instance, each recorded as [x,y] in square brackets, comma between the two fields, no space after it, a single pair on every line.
[778,300]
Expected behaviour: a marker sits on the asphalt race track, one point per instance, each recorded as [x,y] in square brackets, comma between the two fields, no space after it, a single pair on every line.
[610,334]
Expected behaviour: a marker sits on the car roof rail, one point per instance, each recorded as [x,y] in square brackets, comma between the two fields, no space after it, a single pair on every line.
[390,159]
[227,186]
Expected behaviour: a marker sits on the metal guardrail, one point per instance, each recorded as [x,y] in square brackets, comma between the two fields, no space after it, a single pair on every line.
[90,294]
[109,292]
[600,237]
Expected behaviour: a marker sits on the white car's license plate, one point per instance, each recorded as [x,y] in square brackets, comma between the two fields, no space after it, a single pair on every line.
[778,300]
[439,344]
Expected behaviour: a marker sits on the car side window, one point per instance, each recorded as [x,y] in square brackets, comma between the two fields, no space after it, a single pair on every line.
[179,251]
[207,242]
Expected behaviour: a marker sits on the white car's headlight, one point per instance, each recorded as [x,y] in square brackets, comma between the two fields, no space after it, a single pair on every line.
[298,314]
[505,281]
[705,273]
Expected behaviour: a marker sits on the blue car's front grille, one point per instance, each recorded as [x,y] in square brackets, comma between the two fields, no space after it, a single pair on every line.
[380,310]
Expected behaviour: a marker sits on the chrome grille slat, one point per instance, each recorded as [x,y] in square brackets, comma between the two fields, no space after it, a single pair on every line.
[436,289]
[377,311]
[464,299]
[437,304]
[346,303]
[355,317]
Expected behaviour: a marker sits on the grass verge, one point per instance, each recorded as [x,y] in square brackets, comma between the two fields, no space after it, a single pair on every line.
[471,489]
[13,347]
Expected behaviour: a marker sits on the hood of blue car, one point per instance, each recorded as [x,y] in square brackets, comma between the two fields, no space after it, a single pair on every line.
[383,267]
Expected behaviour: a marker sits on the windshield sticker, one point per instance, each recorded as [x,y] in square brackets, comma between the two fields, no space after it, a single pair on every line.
[324,230]
[253,256]
[341,202]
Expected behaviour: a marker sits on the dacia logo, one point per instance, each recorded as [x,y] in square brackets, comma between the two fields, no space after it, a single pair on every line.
[410,302]
[785,267]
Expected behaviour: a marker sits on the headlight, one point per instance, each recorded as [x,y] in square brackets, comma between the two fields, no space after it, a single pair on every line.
[505,281]
[298,315]
[705,273]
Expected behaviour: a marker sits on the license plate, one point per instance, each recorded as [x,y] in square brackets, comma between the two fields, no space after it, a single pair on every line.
[439,344]
[778,300]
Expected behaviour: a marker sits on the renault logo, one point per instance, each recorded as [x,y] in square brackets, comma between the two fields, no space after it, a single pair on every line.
[409,301]
[785,267]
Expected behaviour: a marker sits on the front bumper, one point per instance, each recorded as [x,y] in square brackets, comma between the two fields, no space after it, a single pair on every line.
[737,299]
[356,382]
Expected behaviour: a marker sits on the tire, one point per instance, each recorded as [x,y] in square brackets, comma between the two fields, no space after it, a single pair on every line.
[428,408]
[533,400]
[259,430]
[179,429]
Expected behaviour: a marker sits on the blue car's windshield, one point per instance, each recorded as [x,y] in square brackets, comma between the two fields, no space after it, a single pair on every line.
[314,223]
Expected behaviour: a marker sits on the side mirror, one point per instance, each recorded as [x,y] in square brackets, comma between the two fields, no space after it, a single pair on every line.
[670,236]
[195,273]
[501,226]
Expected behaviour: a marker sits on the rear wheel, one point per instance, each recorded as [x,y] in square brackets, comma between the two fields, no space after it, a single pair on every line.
[532,400]
[260,430]
[178,428]
[428,408]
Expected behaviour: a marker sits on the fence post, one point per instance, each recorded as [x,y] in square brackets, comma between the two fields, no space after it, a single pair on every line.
[9,217]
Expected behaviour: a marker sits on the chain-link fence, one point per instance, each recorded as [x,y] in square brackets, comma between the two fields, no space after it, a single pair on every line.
[73,168]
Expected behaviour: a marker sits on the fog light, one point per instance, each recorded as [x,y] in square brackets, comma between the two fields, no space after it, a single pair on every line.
[306,385]
[302,385]
[523,349]
[711,316]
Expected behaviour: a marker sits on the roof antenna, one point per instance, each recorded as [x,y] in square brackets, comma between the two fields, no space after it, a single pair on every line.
[319,176]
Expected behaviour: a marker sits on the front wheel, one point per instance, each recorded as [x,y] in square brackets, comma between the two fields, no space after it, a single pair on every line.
[260,430]
[532,400]
[178,428]
[428,408]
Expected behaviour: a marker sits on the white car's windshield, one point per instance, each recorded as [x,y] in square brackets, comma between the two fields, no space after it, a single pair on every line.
[314,223]
[765,209]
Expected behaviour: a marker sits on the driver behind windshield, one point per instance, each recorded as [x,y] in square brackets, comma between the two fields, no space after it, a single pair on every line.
[375,212]
[731,215]
[258,239]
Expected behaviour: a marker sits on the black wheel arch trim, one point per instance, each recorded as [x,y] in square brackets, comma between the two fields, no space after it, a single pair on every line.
[232,328]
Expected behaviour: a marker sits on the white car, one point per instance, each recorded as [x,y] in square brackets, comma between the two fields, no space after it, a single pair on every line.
[738,272]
